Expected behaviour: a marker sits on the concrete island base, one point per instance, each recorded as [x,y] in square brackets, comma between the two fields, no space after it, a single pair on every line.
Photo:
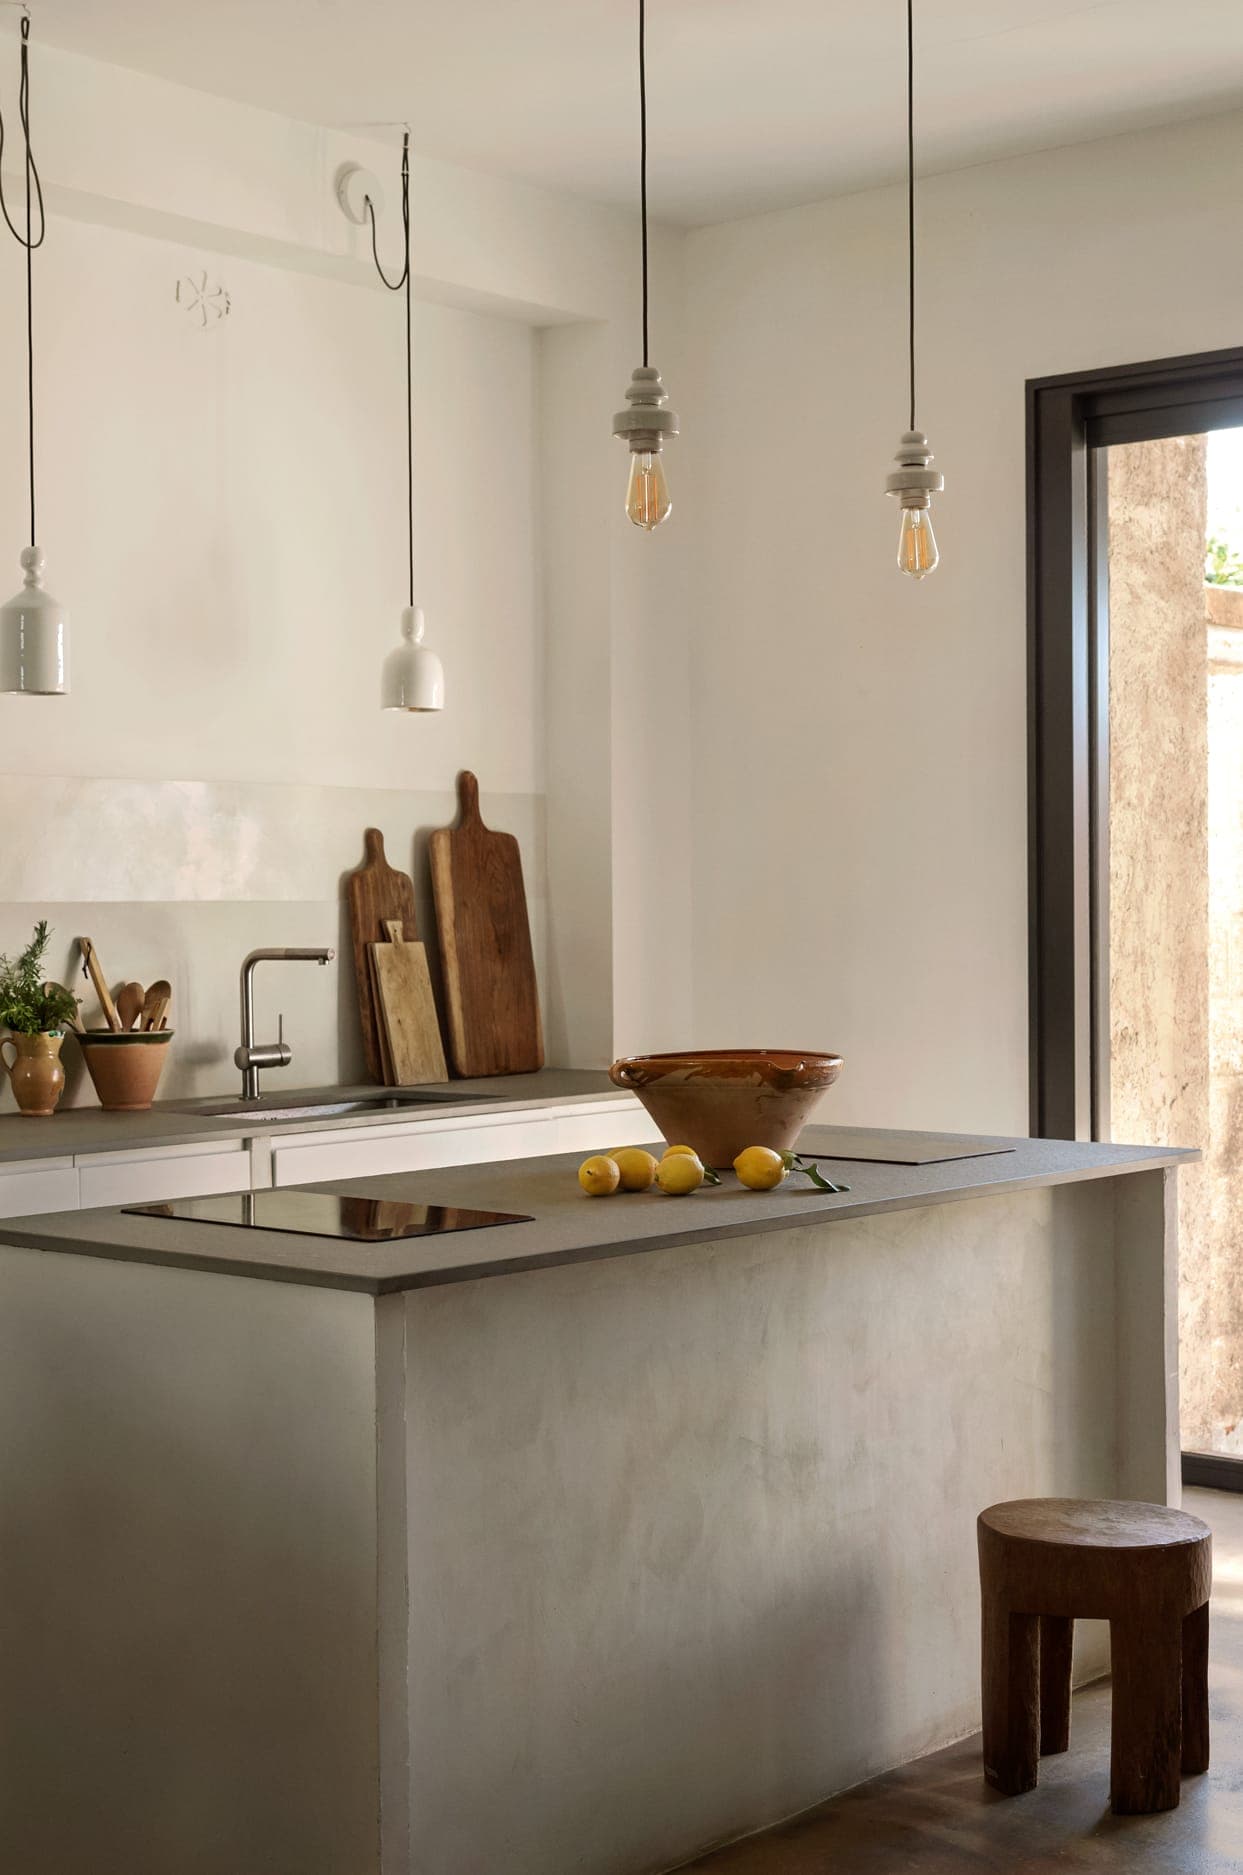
[572,1568]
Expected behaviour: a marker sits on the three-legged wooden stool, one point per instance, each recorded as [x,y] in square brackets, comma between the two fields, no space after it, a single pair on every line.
[1144,1569]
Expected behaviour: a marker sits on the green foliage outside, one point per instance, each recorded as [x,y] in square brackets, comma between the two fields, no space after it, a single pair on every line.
[28,1005]
[1223,563]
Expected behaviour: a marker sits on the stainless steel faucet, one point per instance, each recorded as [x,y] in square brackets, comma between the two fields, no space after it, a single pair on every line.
[252,1055]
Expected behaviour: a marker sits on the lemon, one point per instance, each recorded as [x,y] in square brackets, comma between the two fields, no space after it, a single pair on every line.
[680,1173]
[598,1176]
[637,1168]
[670,1151]
[760,1168]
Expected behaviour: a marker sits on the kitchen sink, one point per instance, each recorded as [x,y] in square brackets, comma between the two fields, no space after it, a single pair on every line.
[318,1106]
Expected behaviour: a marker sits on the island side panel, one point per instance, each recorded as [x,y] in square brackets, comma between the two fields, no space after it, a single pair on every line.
[393,1593]
[187,1573]
[692,1535]
[1147,1310]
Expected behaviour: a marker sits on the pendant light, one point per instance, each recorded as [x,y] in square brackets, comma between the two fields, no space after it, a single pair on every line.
[34,628]
[914,482]
[412,676]
[647,419]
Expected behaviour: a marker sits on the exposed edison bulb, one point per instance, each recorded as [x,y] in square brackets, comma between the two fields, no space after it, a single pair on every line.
[647,496]
[917,544]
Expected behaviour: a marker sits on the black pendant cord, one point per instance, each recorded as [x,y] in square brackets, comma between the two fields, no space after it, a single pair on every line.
[34,193]
[643,157]
[395,286]
[910,192]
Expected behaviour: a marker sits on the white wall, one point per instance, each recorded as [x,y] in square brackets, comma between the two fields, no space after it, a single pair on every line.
[223,510]
[859,740]
[767,790]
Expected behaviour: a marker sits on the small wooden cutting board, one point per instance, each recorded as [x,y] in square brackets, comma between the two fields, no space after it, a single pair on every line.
[491,1000]
[375,893]
[408,1010]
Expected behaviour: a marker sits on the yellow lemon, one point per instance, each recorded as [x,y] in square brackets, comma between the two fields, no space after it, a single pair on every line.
[637,1168]
[598,1176]
[760,1168]
[670,1151]
[680,1173]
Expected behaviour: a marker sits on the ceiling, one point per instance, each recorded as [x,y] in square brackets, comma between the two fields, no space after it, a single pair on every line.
[754,104]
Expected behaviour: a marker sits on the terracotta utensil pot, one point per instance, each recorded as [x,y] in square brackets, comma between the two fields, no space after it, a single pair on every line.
[722,1099]
[125,1067]
[36,1072]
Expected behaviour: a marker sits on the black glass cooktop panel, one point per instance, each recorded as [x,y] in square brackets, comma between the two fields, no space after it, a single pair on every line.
[349,1215]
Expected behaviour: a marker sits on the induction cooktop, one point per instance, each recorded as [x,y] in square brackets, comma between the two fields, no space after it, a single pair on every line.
[352,1215]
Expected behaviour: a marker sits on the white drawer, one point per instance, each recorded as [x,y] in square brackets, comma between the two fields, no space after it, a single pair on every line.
[362,1153]
[36,1185]
[176,1172]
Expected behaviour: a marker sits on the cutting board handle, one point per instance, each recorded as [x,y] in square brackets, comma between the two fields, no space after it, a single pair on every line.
[468,799]
[373,846]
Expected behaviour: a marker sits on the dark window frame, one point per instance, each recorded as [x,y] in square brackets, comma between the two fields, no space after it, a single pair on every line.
[1069,421]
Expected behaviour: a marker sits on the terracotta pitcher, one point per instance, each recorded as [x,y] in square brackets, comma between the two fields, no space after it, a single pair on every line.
[35,1071]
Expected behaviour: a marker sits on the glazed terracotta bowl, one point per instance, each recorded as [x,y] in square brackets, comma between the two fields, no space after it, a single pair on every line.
[722,1099]
[125,1066]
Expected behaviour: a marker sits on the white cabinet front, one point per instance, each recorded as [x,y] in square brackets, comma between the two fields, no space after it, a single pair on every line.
[38,1185]
[178,1172]
[366,1152]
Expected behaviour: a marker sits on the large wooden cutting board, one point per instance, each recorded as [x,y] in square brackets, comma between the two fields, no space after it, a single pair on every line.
[411,1028]
[491,1001]
[374,894]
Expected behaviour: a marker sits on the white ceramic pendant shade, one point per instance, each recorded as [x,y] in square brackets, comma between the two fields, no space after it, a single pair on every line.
[34,637]
[412,677]
[34,627]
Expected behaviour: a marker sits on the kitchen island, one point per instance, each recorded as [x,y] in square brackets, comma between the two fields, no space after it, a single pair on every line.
[569,1544]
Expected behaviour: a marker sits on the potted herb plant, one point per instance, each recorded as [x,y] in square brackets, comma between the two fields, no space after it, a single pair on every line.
[35,1013]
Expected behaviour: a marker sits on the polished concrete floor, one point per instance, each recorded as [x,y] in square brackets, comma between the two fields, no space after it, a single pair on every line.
[937,1817]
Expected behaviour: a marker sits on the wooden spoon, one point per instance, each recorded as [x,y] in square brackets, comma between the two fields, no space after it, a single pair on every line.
[130,999]
[155,1003]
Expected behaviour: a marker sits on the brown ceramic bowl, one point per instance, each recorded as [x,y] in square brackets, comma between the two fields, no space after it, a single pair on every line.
[722,1099]
[125,1066]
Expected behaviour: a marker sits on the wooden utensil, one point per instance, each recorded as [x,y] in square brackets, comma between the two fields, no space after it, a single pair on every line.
[91,968]
[374,893]
[408,1010]
[491,999]
[155,1003]
[155,1013]
[130,1000]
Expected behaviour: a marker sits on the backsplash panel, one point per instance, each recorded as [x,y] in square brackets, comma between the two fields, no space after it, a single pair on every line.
[181,879]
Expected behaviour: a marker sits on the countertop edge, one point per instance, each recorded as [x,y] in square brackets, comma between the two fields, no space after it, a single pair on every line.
[33,1234]
[761,1227]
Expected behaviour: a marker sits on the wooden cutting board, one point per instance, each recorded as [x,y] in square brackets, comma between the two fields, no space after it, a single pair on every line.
[408,1010]
[386,1060]
[491,1001]
[374,894]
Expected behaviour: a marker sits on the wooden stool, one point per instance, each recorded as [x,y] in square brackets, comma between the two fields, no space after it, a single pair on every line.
[1144,1569]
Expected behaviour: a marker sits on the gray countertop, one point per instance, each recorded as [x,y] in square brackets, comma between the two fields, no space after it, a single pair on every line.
[77,1130]
[566,1226]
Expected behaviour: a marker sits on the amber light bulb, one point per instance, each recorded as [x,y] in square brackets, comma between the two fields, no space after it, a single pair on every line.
[917,544]
[647,493]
